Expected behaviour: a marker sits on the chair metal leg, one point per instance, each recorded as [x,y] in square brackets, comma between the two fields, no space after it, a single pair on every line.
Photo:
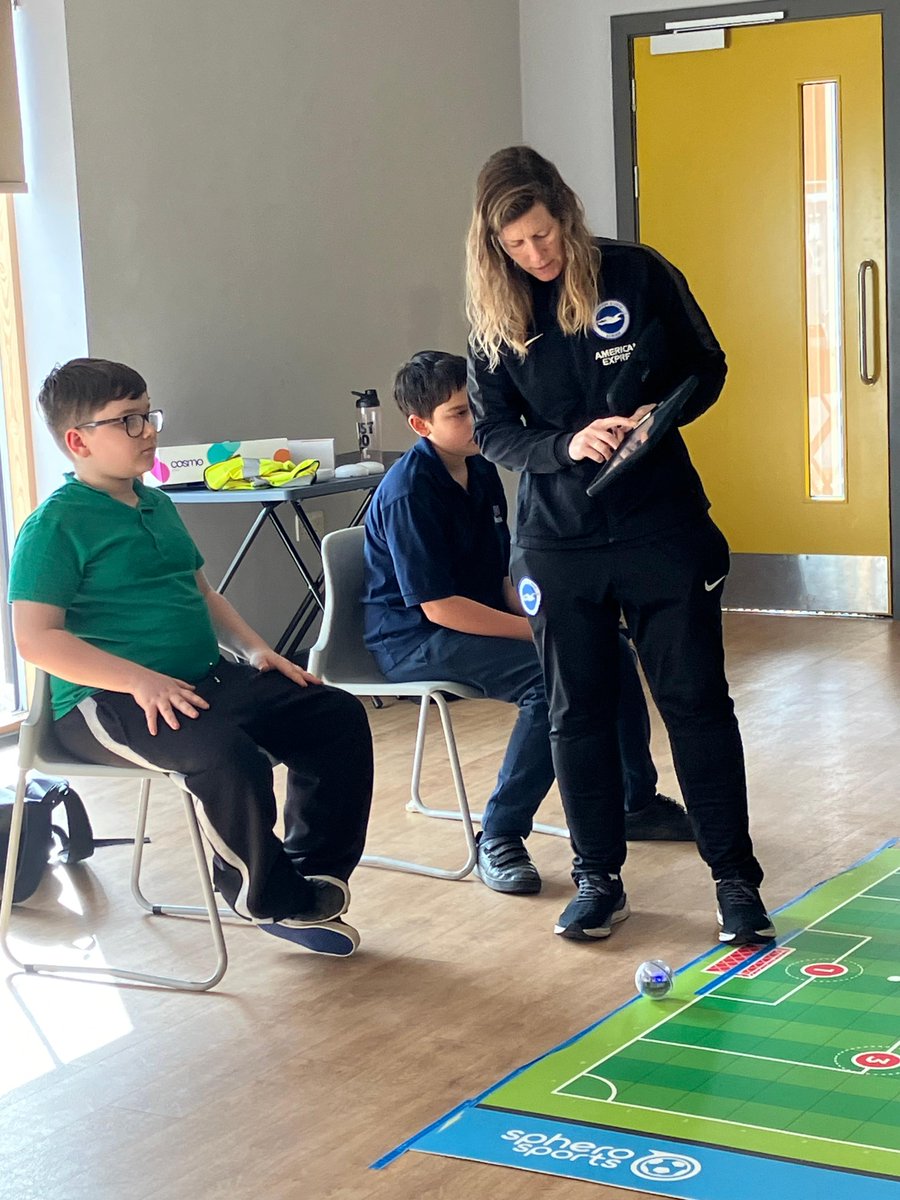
[416,804]
[165,981]
[415,798]
[9,871]
[451,814]
[161,910]
[398,864]
[137,858]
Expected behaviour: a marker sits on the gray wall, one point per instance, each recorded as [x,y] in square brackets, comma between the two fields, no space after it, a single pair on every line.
[567,92]
[273,198]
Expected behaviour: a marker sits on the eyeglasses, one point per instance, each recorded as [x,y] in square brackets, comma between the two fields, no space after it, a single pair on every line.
[133,422]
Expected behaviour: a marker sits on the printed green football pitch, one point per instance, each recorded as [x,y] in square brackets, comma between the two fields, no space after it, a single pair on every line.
[795,1055]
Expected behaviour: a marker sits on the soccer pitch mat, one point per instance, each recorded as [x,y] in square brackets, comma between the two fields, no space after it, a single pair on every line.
[766,1073]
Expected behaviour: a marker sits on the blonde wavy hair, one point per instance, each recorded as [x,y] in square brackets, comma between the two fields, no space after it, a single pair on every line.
[498,297]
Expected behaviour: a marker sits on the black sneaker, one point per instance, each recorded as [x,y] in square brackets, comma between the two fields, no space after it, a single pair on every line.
[662,820]
[506,866]
[742,916]
[329,898]
[601,903]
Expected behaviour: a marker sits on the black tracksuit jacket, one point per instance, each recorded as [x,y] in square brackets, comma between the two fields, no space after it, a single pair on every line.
[526,411]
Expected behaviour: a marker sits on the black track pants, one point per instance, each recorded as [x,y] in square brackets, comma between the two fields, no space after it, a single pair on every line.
[319,733]
[669,590]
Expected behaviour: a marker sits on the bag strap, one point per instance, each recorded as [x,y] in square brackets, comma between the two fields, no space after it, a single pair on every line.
[64,855]
[79,844]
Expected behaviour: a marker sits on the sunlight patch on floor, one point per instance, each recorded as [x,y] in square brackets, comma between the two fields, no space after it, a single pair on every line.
[48,1023]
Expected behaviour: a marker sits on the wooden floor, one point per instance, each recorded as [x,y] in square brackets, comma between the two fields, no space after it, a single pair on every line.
[295,1073]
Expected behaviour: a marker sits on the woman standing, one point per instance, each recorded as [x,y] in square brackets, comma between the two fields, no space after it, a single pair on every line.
[572,337]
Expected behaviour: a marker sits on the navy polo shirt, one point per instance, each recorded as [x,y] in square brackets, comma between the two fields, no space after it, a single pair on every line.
[428,538]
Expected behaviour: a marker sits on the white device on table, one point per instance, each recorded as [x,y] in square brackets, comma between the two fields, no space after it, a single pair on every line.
[351,470]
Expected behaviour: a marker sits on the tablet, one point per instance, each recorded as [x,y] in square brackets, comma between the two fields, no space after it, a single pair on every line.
[645,435]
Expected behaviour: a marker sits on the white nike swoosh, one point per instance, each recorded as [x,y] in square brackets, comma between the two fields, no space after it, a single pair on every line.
[711,587]
[534,339]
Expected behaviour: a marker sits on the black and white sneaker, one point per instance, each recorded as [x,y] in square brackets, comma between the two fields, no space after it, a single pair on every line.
[506,866]
[742,916]
[601,903]
[329,899]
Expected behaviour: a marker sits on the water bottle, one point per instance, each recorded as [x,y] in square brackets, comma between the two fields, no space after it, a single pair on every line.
[368,425]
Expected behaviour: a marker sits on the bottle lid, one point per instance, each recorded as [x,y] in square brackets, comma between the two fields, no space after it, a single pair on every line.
[367,399]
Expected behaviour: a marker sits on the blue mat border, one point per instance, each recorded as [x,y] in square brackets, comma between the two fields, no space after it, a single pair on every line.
[391,1155]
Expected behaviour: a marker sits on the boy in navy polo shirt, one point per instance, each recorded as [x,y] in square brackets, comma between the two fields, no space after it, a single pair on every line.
[110,599]
[439,603]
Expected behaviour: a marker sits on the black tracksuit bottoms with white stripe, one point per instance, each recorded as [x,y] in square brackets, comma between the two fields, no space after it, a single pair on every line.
[322,736]
[669,589]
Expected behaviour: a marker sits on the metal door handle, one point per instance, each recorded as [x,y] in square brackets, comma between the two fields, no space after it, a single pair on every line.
[866,272]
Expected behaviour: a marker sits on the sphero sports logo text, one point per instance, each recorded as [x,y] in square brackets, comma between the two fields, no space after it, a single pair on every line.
[562,1149]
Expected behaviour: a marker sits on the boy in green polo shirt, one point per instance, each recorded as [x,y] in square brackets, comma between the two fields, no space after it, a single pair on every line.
[109,597]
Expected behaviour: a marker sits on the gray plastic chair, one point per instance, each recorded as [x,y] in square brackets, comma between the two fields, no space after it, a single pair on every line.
[40,751]
[340,658]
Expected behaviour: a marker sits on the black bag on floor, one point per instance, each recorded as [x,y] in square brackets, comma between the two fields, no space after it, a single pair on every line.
[43,842]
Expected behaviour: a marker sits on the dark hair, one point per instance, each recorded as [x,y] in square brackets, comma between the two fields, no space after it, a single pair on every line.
[75,391]
[429,378]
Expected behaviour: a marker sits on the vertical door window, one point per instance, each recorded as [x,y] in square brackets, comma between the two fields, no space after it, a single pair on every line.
[826,471]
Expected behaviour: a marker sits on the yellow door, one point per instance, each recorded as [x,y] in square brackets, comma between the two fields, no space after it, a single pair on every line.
[761,176]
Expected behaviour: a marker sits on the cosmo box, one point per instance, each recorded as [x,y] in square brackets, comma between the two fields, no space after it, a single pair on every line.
[175,466]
